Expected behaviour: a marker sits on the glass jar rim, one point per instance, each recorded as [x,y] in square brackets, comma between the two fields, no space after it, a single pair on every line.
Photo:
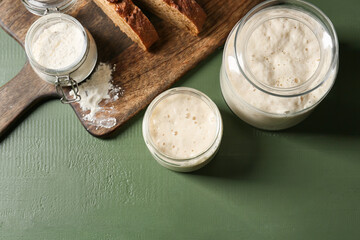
[191,91]
[313,12]
[33,30]
[41,8]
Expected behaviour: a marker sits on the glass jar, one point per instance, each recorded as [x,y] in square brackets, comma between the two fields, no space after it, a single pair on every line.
[247,76]
[81,65]
[43,7]
[178,102]
[71,75]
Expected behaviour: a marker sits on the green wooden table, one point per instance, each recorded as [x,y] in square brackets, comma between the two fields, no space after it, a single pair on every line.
[59,182]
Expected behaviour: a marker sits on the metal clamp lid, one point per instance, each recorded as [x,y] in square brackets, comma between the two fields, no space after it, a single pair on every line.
[43,7]
[51,10]
[65,81]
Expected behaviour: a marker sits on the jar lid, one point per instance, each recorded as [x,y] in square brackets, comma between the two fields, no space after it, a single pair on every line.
[43,7]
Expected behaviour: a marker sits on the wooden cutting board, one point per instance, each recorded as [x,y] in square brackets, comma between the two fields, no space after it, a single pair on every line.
[142,75]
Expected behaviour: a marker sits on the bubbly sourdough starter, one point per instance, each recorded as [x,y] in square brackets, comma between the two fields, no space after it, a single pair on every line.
[182,126]
[281,53]
[58,45]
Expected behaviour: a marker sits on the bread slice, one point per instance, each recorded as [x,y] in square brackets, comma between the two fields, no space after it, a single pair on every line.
[186,14]
[131,20]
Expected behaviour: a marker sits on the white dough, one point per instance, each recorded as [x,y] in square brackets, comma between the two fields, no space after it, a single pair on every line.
[182,126]
[281,53]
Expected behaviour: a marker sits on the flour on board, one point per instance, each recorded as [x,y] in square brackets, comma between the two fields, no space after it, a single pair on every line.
[96,89]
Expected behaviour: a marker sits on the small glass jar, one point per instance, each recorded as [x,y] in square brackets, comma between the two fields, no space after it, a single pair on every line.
[81,67]
[201,156]
[82,64]
[43,7]
[269,106]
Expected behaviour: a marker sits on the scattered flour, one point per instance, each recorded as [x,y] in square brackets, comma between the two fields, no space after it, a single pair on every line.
[96,89]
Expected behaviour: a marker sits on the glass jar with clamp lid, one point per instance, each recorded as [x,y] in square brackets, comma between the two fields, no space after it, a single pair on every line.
[60,50]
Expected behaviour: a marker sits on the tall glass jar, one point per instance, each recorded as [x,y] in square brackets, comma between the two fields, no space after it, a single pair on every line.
[279,63]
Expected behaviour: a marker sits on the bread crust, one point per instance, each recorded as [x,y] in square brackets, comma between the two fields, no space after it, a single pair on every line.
[186,14]
[192,10]
[131,20]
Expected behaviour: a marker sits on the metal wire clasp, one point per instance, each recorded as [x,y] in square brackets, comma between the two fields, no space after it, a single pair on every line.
[51,10]
[66,81]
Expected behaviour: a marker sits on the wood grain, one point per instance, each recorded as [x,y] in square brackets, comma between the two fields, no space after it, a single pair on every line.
[20,94]
[142,75]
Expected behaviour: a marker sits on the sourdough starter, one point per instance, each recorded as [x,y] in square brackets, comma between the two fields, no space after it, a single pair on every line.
[182,126]
[280,53]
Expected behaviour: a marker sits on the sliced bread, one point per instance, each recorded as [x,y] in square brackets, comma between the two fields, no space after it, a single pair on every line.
[186,14]
[131,20]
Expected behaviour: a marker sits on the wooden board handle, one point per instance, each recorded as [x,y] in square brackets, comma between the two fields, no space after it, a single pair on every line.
[21,93]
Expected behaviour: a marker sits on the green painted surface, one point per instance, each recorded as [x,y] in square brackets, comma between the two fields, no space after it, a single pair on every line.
[59,182]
